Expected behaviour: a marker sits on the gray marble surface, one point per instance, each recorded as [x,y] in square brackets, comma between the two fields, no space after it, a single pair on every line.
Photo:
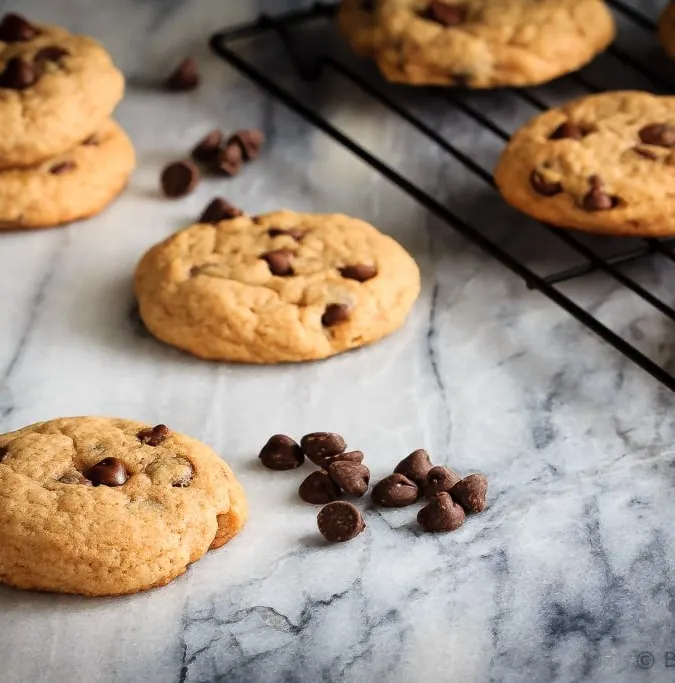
[569,574]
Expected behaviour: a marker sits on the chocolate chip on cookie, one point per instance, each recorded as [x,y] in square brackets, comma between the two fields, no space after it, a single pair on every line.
[14,29]
[318,446]
[184,77]
[229,159]
[596,199]
[471,493]
[395,491]
[361,272]
[295,233]
[281,453]
[415,466]
[92,141]
[567,131]
[439,479]
[207,148]
[353,478]
[219,209]
[50,54]
[441,514]
[446,12]
[3,452]
[179,178]
[280,262]
[108,472]
[547,188]
[18,75]
[646,153]
[340,521]
[62,168]
[154,436]
[659,134]
[249,141]
[318,489]
[335,314]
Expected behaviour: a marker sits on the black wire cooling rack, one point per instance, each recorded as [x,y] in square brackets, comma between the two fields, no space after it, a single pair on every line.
[311,65]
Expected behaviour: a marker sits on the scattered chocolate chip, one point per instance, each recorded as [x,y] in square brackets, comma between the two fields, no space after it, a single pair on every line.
[547,188]
[471,493]
[659,134]
[218,210]
[229,160]
[395,491]
[646,153]
[62,168]
[441,514]
[75,478]
[339,522]
[352,478]
[18,75]
[415,466]
[318,446]
[335,314]
[249,141]
[91,141]
[280,262]
[295,233]
[154,435]
[446,13]
[351,456]
[596,199]
[567,130]
[52,53]
[108,472]
[359,272]
[14,28]
[207,148]
[439,479]
[184,77]
[318,489]
[281,453]
[179,178]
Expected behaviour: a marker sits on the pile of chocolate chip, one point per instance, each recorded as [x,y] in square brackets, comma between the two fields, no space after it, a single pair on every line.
[450,498]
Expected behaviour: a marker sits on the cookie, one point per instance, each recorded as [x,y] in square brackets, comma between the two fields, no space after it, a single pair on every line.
[283,287]
[489,43]
[603,163]
[56,89]
[69,187]
[667,29]
[357,22]
[104,506]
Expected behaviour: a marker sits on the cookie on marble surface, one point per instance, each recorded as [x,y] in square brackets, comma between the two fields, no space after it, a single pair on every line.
[358,24]
[282,287]
[667,29]
[489,43]
[56,89]
[104,506]
[603,163]
[69,187]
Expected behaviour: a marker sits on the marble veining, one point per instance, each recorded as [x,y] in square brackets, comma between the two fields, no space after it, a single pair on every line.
[567,577]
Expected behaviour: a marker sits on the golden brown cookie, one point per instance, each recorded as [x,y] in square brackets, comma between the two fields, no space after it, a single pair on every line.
[56,89]
[489,43]
[104,506]
[283,287]
[358,24]
[603,163]
[72,186]
[667,29]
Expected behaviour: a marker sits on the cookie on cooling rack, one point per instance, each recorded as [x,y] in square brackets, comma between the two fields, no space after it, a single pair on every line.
[603,163]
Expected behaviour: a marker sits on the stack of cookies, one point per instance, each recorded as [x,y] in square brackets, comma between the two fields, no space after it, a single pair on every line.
[477,43]
[61,156]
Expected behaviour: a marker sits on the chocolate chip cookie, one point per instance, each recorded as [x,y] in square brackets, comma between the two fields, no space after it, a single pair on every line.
[603,163]
[489,43]
[283,287]
[667,29]
[69,187]
[102,506]
[56,89]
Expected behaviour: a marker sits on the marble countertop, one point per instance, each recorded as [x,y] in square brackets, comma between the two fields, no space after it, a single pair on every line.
[568,575]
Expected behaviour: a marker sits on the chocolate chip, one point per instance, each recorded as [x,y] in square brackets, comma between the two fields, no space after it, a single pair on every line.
[660,134]
[295,233]
[318,489]
[154,435]
[75,478]
[18,75]
[184,77]
[335,314]
[339,522]
[179,178]
[471,493]
[596,199]
[439,479]
[52,53]
[108,472]
[91,141]
[62,168]
[218,210]
[207,148]
[281,453]
[547,188]
[359,272]
[567,130]
[441,514]
[280,262]
[446,13]
[229,160]
[249,141]
[415,466]
[318,446]
[14,28]
[395,491]
[352,478]
[351,456]
[646,153]
[3,452]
